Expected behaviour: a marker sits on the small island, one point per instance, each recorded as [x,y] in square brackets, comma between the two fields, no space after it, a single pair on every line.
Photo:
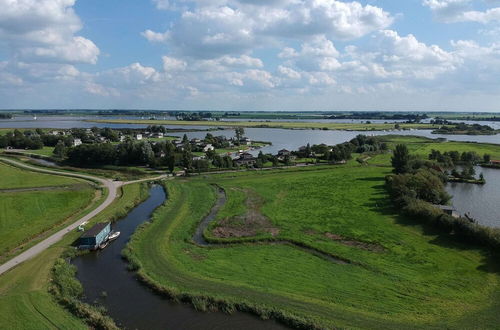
[463,128]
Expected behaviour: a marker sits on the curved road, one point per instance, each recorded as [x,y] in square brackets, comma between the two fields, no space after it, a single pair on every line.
[46,243]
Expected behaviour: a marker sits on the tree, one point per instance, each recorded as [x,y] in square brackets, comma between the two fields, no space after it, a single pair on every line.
[171,162]
[486,158]
[401,159]
[239,132]
[60,150]
[187,159]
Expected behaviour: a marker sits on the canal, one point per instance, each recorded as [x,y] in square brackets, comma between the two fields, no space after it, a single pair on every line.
[132,305]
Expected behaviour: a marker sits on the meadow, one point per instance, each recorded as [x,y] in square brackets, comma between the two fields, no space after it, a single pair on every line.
[274,124]
[13,177]
[25,301]
[33,203]
[398,274]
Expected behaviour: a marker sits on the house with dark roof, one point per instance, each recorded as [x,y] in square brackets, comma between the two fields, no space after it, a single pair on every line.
[95,236]
[245,159]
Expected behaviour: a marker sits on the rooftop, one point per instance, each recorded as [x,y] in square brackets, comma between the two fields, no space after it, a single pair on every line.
[96,229]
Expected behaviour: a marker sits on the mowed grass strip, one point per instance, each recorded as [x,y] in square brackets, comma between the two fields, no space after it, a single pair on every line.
[419,280]
[25,302]
[13,177]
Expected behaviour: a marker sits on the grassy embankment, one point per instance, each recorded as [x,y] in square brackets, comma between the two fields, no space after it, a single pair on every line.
[276,124]
[25,300]
[34,204]
[401,274]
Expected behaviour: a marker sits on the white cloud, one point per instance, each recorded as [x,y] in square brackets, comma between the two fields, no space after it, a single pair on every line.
[451,11]
[44,30]
[155,36]
[234,28]
[171,64]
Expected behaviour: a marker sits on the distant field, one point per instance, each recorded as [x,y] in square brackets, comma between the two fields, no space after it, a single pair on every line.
[423,146]
[275,124]
[25,302]
[400,274]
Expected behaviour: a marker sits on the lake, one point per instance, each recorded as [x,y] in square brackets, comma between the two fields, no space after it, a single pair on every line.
[481,201]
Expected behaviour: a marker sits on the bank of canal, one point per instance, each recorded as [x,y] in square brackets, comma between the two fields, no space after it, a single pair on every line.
[132,305]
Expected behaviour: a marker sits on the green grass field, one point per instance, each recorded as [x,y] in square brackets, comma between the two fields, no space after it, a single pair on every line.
[400,276]
[13,177]
[33,203]
[23,215]
[25,302]
[276,124]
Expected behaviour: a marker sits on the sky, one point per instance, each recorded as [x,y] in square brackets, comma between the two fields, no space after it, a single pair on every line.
[300,55]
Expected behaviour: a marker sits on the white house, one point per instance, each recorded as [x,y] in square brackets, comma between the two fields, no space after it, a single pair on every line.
[77,142]
[138,137]
[208,147]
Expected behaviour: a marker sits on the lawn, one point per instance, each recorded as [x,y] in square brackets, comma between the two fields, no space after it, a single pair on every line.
[13,177]
[399,275]
[23,215]
[275,124]
[25,302]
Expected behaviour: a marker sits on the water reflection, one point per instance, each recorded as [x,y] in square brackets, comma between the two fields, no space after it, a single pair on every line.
[482,201]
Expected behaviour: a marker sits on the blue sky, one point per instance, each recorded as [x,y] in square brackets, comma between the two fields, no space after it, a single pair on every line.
[251,54]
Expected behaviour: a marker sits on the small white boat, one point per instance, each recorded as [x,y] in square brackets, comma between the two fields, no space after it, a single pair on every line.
[103,245]
[114,235]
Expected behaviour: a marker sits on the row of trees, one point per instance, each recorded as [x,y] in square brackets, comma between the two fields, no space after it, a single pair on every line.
[21,140]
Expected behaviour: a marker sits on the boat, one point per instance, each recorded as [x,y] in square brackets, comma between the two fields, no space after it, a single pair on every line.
[103,245]
[114,235]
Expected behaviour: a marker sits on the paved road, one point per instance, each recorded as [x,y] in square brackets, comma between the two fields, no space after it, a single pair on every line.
[49,241]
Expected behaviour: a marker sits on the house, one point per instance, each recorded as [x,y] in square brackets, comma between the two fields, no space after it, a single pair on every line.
[179,145]
[77,142]
[122,138]
[245,159]
[158,135]
[450,210]
[95,236]
[495,162]
[245,141]
[138,137]
[208,147]
[283,153]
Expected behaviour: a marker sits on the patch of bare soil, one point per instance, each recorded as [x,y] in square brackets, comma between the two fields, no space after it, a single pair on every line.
[357,244]
[252,223]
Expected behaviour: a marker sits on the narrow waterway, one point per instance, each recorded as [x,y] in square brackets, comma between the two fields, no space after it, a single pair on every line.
[132,305]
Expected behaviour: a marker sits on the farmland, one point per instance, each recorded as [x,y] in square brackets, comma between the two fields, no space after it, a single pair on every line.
[398,274]
[32,203]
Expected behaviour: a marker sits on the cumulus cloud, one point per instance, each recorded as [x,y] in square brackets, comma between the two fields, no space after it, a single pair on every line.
[451,11]
[236,27]
[44,30]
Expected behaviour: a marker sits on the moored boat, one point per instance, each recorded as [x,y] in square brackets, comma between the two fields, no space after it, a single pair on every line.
[114,235]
